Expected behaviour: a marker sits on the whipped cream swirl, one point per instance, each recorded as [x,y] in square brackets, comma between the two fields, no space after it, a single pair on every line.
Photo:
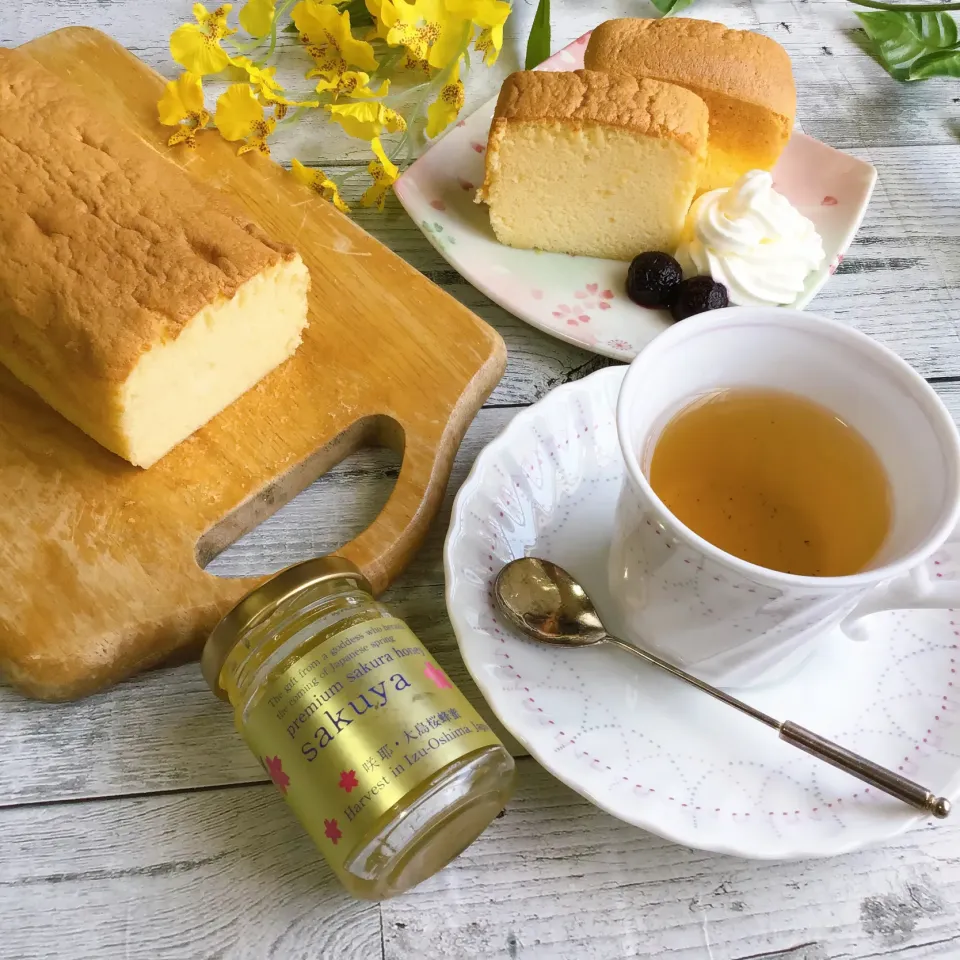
[752,240]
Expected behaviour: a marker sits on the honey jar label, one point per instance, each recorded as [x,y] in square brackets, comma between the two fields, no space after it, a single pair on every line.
[355,724]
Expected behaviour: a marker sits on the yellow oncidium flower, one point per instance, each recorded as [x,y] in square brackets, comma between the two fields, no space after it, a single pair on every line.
[484,13]
[263,78]
[384,174]
[256,17]
[489,43]
[281,103]
[237,110]
[490,16]
[326,32]
[430,37]
[410,62]
[443,111]
[353,83]
[240,117]
[182,100]
[258,138]
[320,183]
[196,46]
[429,29]
[264,81]
[378,29]
[366,120]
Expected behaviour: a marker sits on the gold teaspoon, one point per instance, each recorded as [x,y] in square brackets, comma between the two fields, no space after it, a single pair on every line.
[545,603]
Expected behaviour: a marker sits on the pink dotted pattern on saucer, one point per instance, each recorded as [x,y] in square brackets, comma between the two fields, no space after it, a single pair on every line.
[644,748]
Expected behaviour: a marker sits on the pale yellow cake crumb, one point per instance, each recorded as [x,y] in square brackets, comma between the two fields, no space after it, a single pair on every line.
[593,164]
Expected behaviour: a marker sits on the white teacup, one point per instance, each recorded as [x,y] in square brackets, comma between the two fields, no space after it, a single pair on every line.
[733,622]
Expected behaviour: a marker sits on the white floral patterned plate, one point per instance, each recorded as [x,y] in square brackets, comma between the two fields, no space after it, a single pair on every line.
[645,747]
[582,299]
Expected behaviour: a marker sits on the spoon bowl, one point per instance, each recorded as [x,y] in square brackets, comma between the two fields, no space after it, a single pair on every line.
[543,601]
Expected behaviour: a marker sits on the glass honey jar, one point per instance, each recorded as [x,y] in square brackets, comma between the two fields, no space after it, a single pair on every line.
[385,763]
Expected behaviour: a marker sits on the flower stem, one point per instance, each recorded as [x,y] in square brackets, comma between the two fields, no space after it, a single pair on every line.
[294,116]
[278,14]
[346,177]
[436,83]
[386,64]
[242,49]
[392,99]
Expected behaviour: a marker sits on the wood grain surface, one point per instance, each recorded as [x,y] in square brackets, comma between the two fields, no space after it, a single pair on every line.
[103,561]
[135,824]
[228,873]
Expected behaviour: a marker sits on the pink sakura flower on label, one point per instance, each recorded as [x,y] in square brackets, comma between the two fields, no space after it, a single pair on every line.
[274,767]
[436,676]
[332,831]
[348,780]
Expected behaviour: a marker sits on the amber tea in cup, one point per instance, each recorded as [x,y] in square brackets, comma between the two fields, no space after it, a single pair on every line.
[774,479]
[829,510]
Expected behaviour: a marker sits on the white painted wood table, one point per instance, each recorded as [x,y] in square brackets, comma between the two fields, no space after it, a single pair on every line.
[136,824]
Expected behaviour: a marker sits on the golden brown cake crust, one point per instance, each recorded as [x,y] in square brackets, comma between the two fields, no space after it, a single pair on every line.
[649,107]
[698,53]
[106,247]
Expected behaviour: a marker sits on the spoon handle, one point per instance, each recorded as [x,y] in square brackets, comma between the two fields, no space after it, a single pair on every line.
[863,769]
[817,746]
[713,691]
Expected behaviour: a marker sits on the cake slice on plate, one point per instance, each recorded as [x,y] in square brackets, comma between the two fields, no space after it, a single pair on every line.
[744,78]
[592,163]
[133,299]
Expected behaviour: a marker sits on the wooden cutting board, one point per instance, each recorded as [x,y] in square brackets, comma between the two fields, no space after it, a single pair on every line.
[100,571]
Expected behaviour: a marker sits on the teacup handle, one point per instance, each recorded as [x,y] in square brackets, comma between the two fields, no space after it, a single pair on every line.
[920,588]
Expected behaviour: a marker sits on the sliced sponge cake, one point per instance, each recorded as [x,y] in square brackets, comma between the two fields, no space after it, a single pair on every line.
[744,78]
[133,299]
[593,164]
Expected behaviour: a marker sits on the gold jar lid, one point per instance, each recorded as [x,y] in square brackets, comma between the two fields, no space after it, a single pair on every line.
[270,594]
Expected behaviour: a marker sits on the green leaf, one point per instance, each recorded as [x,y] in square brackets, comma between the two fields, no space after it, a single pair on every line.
[360,16]
[669,7]
[895,43]
[942,63]
[538,43]
[934,29]
[900,39]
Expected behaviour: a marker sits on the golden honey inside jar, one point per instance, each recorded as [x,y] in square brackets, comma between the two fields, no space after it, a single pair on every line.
[387,765]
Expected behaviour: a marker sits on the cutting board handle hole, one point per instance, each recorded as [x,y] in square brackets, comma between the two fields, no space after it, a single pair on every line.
[374,433]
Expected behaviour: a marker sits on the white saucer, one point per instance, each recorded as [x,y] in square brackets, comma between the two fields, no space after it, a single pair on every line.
[645,747]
